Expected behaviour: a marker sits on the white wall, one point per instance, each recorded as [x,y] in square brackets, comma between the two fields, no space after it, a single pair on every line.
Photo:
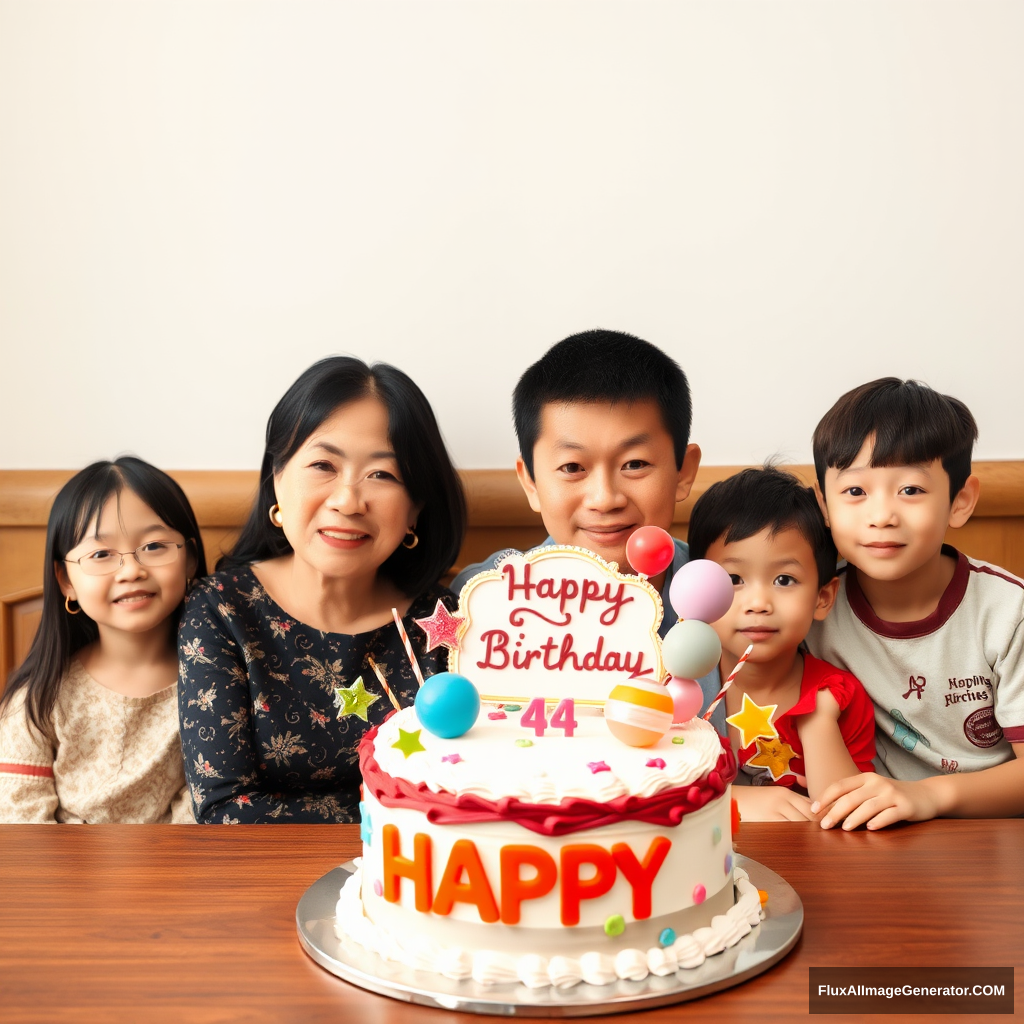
[198,199]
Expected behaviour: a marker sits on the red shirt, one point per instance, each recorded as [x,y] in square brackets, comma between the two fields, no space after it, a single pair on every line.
[856,718]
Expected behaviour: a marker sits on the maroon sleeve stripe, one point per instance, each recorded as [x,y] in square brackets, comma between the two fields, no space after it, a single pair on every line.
[41,771]
[1015,734]
[989,571]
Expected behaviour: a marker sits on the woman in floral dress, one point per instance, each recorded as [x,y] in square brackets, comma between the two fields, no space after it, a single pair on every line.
[359,511]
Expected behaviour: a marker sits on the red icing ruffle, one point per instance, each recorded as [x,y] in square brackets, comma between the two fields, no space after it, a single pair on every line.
[665,809]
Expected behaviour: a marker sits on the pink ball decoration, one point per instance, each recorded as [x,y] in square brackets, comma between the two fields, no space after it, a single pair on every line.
[650,550]
[686,698]
[701,590]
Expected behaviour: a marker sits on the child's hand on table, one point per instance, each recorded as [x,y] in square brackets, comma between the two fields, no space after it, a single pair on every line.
[772,803]
[875,801]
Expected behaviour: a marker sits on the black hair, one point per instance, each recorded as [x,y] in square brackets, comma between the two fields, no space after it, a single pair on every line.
[423,460]
[602,366]
[78,503]
[910,423]
[758,499]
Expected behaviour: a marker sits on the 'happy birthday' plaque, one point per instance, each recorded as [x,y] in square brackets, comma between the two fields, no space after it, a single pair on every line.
[557,622]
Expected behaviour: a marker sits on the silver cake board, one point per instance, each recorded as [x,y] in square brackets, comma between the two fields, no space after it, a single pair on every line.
[766,945]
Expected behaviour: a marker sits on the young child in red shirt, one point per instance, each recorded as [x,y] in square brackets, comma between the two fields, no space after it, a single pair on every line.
[766,530]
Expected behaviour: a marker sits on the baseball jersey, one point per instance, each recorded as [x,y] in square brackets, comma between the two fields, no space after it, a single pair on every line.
[948,689]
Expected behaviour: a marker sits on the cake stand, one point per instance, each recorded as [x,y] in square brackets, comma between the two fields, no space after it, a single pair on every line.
[766,945]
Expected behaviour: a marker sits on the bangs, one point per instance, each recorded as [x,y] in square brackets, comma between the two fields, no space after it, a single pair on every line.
[103,485]
[908,423]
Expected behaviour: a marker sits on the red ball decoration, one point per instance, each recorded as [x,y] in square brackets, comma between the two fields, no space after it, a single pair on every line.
[650,550]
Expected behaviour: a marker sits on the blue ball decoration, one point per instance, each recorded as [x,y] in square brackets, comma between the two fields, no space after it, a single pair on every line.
[447,705]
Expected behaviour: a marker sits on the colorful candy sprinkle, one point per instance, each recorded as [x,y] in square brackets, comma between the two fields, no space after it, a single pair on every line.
[678,739]
[524,743]
[667,937]
[700,894]
[452,758]
[377,887]
[513,707]
[716,835]
[615,925]
[597,766]
[763,893]
[728,863]
[655,762]
[409,742]
[495,716]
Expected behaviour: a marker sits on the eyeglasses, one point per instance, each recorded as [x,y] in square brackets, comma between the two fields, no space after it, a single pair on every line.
[104,561]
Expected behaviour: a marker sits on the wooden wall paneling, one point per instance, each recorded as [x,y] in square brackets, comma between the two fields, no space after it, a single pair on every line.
[19,620]
[499,517]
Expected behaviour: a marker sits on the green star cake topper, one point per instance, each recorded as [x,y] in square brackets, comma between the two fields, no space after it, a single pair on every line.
[353,700]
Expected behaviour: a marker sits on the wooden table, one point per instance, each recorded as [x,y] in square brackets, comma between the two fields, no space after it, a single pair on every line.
[192,925]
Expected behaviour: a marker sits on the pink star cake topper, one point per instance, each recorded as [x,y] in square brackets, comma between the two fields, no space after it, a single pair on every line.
[441,628]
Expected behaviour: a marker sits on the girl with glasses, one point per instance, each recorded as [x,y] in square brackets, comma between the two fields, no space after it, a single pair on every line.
[88,723]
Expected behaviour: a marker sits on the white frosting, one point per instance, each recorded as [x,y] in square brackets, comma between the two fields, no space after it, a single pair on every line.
[554,767]
[662,961]
[694,859]
[532,970]
[492,968]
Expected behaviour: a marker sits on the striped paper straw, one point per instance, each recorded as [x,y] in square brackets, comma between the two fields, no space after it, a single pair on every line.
[725,686]
[383,682]
[408,646]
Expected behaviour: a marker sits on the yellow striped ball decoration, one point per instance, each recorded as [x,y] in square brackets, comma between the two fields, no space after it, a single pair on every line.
[638,713]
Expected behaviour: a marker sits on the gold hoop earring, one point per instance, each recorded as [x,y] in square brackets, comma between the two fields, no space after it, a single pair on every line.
[68,608]
[275,515]
[411,540]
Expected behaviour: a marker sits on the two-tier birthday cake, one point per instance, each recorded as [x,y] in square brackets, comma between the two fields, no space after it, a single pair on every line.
[537,846]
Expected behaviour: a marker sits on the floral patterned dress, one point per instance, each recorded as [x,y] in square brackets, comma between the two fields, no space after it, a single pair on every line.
[259,712]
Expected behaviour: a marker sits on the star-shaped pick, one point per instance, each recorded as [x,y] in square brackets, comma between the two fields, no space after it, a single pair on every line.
[353,700]
[752,720]
[774,755]
[441,628]
[408,742]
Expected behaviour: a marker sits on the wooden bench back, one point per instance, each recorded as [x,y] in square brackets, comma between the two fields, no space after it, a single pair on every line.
[499,517]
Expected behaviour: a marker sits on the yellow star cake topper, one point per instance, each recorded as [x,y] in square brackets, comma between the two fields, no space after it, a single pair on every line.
[752,720]
[774,755]
[353,700]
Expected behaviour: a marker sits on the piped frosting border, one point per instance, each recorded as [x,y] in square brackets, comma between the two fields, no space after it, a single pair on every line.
[488,967]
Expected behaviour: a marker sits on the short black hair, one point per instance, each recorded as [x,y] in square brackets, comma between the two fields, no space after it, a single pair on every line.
[758,499]
[427,470]
[602,366]
[910,422]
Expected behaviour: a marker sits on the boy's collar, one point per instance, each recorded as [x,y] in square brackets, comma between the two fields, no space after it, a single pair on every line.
[948,603]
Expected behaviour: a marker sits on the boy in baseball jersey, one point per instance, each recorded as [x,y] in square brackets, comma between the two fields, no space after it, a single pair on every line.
[936,638]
